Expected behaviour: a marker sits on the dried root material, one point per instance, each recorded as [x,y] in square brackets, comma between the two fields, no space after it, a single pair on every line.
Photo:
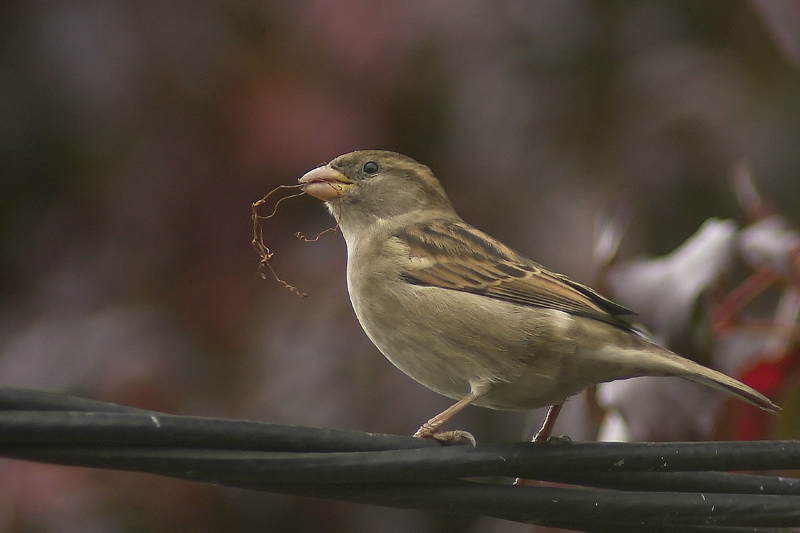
[258,236]
[303,238]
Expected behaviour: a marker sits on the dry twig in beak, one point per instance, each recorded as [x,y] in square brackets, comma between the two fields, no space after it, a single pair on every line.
[258,237]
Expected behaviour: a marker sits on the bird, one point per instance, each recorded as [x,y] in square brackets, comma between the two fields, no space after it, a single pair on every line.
[470,318]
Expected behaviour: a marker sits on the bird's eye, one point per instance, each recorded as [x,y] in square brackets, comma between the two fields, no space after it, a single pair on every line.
[371,167]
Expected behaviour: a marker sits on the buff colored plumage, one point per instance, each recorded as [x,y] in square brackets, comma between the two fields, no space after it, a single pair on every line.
[467,316]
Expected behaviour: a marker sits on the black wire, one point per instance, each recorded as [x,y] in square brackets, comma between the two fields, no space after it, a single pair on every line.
[377,467]
[554,506]
[149,429]
[719,482]
[16,398]
[657,487]
[584,510]
[282,463]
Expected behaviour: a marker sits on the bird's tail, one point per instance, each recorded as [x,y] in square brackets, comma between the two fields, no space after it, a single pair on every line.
[727,384]
[641,361]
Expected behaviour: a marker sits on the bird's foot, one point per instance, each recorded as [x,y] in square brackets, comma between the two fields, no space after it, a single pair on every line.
[456,435]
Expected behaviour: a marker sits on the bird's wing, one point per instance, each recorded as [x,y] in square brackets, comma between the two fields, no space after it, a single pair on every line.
[453,255]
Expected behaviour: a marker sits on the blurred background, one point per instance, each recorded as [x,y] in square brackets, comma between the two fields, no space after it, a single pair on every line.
[134,137]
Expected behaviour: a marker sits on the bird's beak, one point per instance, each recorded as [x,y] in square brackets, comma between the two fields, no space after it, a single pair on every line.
[325,183]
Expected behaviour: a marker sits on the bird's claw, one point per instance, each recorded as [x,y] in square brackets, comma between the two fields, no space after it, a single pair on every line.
[455,435]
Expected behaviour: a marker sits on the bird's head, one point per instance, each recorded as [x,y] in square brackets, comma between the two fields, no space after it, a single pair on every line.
[370,186]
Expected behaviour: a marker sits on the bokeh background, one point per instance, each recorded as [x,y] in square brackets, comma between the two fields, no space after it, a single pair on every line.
[134,137]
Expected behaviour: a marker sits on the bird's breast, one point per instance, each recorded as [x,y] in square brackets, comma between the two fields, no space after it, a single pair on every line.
[448,339]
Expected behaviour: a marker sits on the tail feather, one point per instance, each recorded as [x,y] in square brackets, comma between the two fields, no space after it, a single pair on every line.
[644,358]
[727,384]
[676,365]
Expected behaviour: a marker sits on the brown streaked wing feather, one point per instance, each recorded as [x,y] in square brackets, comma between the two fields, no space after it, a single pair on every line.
[465,259]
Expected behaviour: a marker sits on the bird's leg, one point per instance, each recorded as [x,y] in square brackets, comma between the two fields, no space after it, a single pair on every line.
[549,423]
[430,429]
[543,434]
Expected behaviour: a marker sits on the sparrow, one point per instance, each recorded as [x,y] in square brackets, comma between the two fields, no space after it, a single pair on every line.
[467,316]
